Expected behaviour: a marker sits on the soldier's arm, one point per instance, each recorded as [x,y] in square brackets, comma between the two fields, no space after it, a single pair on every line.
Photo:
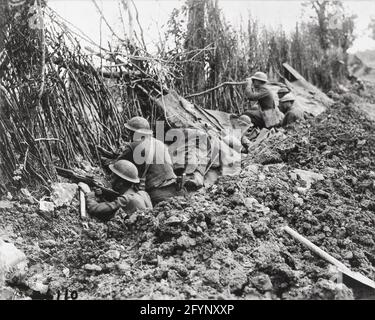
[255,96]
[125,153]
[101,210]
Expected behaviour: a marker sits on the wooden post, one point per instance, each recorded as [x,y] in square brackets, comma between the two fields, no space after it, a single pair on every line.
[82,205]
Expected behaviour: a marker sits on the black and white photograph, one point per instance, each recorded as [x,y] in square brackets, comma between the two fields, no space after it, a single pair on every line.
[187,155]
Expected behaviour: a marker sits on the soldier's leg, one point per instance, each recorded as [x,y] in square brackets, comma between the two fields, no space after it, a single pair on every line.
[256,118]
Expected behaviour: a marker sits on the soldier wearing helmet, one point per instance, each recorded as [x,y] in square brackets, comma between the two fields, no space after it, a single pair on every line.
[152,159]
[124,180]
[282,92]
[292,114]
[257,91]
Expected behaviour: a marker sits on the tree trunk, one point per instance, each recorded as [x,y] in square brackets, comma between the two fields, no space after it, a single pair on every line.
[195,41]
[3,8]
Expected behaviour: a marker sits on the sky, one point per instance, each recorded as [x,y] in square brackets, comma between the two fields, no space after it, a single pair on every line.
[153,14]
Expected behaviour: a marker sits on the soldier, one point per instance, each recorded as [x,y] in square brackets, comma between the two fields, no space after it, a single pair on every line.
[266,116]
[282,92]
[124,180]
[292,114]
[152,159]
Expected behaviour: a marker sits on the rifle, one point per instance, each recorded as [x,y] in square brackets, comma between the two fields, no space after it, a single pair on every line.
[70,174]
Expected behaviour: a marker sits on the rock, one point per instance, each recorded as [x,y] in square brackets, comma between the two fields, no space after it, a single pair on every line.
[46,206]
[92,267]
[13,263]
[308,176]
[322,194]
[63,193]
[293,176]
[35,283]
[212,278]
[123,267]
[186,242]
[259,227]
[262,177]
[301,190]
[297,200]
[6,204]
[113,254]
[7,293]
[66,272]
[328,290]
[262,283]
[252,169]
[250,202]
[348,255]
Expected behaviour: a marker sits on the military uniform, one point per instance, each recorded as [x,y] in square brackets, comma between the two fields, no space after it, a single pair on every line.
[266,102]
[130,202]
[153,162]
[293,115]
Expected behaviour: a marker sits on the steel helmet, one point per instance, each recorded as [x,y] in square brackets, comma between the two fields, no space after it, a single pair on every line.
[138,124]
[125,170]
[283,90]
[245,119]
[288,97]
[261,76]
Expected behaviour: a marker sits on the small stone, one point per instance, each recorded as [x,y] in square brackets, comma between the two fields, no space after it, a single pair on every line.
[123,267]
[92,267]
[297,200]
[66,272]
[6,204]
[7,293]
[301,190]
[186,242]
[250,202]
[113,254]
[212,277]
[348,255]
[261,177]
[259,228]
[308,177]
[39,287]
[262,283]
[110,266]
[323,194]
[133,218]
[46,206]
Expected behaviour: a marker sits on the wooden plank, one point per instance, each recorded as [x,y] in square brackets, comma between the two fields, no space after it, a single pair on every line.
[321,253]
[293,71]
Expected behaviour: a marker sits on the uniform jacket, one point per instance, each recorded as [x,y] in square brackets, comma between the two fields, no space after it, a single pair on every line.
[264,97]
[130,202]
[151,155]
